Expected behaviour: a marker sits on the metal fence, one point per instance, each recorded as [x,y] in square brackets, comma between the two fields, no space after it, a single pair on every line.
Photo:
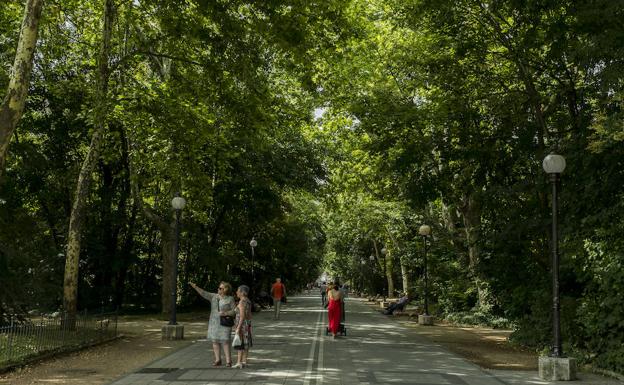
[22,341]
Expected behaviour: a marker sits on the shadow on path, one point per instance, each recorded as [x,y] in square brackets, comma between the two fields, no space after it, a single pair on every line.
[295,350]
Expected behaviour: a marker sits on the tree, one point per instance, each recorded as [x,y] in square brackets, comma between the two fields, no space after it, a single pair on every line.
[12,106]
[100,118]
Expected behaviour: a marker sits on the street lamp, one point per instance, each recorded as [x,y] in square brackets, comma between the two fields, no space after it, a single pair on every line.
[556,367]
[425,231]
[554,166]
[253,243]
[178,204]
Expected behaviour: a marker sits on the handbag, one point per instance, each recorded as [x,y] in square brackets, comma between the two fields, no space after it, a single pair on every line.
[225,320]
[237,342]
[283,299]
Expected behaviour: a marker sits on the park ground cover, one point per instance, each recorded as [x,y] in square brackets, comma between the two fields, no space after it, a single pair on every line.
[142,344]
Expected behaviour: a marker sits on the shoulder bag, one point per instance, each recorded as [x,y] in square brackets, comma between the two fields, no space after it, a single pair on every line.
[225,320]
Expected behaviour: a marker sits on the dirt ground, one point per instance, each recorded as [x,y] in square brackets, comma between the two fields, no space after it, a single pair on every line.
[483,346]
[141,345]
[102,364]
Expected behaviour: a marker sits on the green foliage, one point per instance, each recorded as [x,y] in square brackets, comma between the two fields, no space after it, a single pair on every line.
[479,318]
[433,112]
[209,99]
[10,12]
[602,309]
[455,102]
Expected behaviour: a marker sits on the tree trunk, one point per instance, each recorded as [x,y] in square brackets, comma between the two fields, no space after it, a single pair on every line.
[125,257]
[450,217]
[471,214]
[100,114]
[12,106]
[385,264]
[124,254]
[389,260]
[168,280]
[167,238]
[404,269]
[110,231]
[405,278]
[167,234]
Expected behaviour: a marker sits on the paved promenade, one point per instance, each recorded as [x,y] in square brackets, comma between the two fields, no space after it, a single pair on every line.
[295,351]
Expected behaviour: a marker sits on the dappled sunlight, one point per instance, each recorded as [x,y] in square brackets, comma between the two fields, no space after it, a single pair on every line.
[128,323]
[265,360]
[507,365]
[278,373]
[457,374]
[301,310]
[530,378]
[297,350]
[497,339]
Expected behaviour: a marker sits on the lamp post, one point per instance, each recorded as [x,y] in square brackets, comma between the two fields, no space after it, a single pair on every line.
[253,243]
[178,204]
[556,366]
[426,319]
[384,251]
[173,331]
[554,166]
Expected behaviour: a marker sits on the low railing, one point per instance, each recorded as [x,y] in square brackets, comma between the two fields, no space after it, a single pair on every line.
[21,341]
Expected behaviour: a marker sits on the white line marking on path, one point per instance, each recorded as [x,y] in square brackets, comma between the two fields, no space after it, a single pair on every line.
[319,368]
[316,333]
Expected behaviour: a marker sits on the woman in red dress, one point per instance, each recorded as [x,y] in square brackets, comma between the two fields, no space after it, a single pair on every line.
[334,311]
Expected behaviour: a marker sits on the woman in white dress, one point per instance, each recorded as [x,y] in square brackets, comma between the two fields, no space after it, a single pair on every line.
[221,304]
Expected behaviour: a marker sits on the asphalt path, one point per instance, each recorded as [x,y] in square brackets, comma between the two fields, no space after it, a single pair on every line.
[296,350]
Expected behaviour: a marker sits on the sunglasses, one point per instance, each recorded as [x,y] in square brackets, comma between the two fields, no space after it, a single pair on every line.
[221,288]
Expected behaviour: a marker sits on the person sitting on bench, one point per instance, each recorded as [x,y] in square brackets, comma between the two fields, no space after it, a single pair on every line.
[397,306]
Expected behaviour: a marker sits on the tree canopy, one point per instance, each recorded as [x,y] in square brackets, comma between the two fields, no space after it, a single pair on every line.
[328,131]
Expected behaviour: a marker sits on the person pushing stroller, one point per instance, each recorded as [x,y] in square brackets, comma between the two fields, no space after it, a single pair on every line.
[335,311]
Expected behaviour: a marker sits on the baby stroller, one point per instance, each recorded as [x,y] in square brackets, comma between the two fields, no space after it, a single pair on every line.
[342,330]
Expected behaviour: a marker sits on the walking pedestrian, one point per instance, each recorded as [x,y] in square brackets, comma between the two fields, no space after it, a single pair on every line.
[334,309]
[278,291]
[343,295]
[221,305]
[344,289]
[243,326]
[323,288]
